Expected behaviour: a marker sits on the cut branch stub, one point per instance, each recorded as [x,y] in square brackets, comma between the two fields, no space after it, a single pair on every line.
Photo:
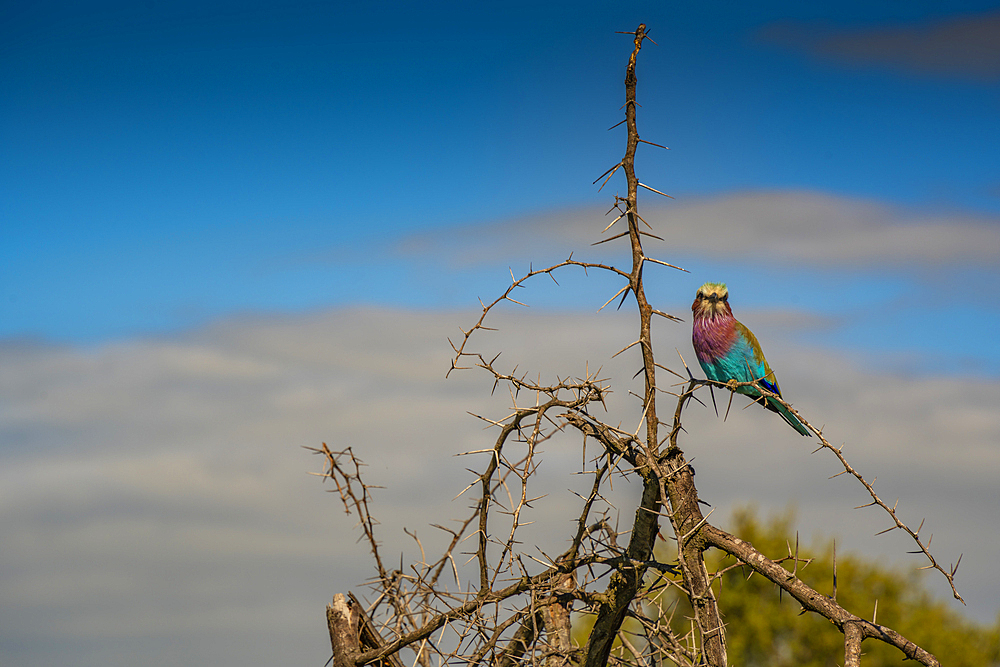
[342,620]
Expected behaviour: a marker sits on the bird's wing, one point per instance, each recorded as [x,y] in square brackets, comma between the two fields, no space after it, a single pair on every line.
[755,360]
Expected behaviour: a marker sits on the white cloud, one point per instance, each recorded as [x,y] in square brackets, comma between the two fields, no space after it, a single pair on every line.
[797,227]
[153,494]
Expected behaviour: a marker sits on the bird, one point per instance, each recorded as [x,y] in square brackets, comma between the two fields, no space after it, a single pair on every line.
[729,352]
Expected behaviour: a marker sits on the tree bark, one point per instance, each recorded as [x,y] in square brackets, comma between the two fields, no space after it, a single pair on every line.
[342,620]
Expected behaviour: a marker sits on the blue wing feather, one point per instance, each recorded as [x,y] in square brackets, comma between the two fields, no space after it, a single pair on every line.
[770,386]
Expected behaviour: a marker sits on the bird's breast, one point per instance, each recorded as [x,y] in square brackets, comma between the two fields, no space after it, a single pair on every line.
[713,337]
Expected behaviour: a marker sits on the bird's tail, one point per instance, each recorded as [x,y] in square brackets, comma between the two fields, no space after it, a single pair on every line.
[787,416]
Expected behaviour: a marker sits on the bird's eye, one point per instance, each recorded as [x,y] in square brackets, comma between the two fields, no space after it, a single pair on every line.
[725,297]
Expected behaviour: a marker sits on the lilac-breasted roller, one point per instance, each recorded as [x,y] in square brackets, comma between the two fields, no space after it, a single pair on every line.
[729,352]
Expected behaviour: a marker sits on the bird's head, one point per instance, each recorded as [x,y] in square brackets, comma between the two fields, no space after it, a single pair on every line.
[712,299]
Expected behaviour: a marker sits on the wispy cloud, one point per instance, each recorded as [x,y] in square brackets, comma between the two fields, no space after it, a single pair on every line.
[153,494]
[790,227]
[962,46]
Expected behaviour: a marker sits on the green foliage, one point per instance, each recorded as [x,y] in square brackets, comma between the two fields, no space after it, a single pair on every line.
[764,629]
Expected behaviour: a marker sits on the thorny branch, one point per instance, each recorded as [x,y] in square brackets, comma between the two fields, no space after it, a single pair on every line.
[518,610]
[515,284]
[924,548]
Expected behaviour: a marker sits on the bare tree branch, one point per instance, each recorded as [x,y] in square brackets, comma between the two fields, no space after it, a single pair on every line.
[517,604]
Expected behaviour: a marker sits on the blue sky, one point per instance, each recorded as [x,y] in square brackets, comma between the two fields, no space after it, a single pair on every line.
[167,165]
[231,229]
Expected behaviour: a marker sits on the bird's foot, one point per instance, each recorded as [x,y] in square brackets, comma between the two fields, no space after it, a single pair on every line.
[732,384]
